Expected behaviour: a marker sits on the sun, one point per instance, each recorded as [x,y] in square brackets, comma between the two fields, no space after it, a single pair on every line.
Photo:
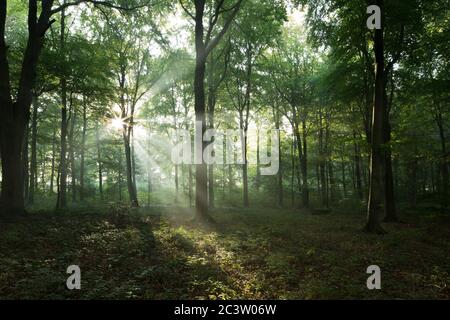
[117,123]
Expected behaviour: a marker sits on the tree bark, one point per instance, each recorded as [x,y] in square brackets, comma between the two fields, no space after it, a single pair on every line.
[62,194]
[100,165]
[15,114]
[72,151]
[83,151]
[376,200]
[33,163]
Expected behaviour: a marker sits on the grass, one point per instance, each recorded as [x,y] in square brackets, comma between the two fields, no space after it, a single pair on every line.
[251,254]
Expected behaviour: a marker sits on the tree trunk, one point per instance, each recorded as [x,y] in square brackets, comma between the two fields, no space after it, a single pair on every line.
[344,183]
[52,175]
[280,168]
[72,152]
[245,164]
[62,195]
[377,158]
[129,168]
[25,161]
[83,151]
[100,164]
[119,178]
[304,168]
[33,163]
[201,196]
[358,173]
[443,161]
[15,115]
[211,109]
[390,211]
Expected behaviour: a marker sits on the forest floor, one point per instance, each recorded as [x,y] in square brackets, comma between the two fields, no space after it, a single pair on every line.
[251,254]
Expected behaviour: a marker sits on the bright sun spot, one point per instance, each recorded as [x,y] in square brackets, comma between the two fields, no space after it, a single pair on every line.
[117,123]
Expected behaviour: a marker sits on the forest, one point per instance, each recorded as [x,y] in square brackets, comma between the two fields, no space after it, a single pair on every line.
[224,149]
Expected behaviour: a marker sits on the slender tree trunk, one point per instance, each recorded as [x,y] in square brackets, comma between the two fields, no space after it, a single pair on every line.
[230,182]
[211,110]
[330,169]
[280,168]
[83,151]
[344,182]
[129,168]
[62,195]
[293,170]
[133,167]
[443,161]
[52,174]
[25,162]
[390,210]
[44,162]
[177,187]
[190,186]
[245,164]
[100,164]
[72,152]
[33,163]
[412,174]
[258,162]
[358,173]
[119,178]
[322,163]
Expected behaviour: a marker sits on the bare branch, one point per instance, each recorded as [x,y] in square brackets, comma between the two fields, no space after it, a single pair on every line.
[186,10]
[213,43]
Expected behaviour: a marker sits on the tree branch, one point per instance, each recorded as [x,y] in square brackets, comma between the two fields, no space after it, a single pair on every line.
[108,4]
[213,43]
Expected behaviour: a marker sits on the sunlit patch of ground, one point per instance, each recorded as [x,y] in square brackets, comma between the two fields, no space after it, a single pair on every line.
[251,254]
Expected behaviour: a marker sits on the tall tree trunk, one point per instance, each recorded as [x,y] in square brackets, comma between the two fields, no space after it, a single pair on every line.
[72,151]
[280,167]
[293,165]
[390,210]
[330,169]
[244,159]
[358,173]
[202,50]
[201,182]
[100,164]
[190,185]
[52,174]
[119,178]
[133,168]
[33,163]
[443,163]
[344,183]
[211,109]
[177,185]
[129,168]
[304,168]
[412,175]
[15,115]
[258,161]
[322,163]
[25,162]
[62,194]
[376,200]
[83,151]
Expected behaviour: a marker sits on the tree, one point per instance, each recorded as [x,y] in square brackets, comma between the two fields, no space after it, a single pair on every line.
[204,44]
[15,112]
